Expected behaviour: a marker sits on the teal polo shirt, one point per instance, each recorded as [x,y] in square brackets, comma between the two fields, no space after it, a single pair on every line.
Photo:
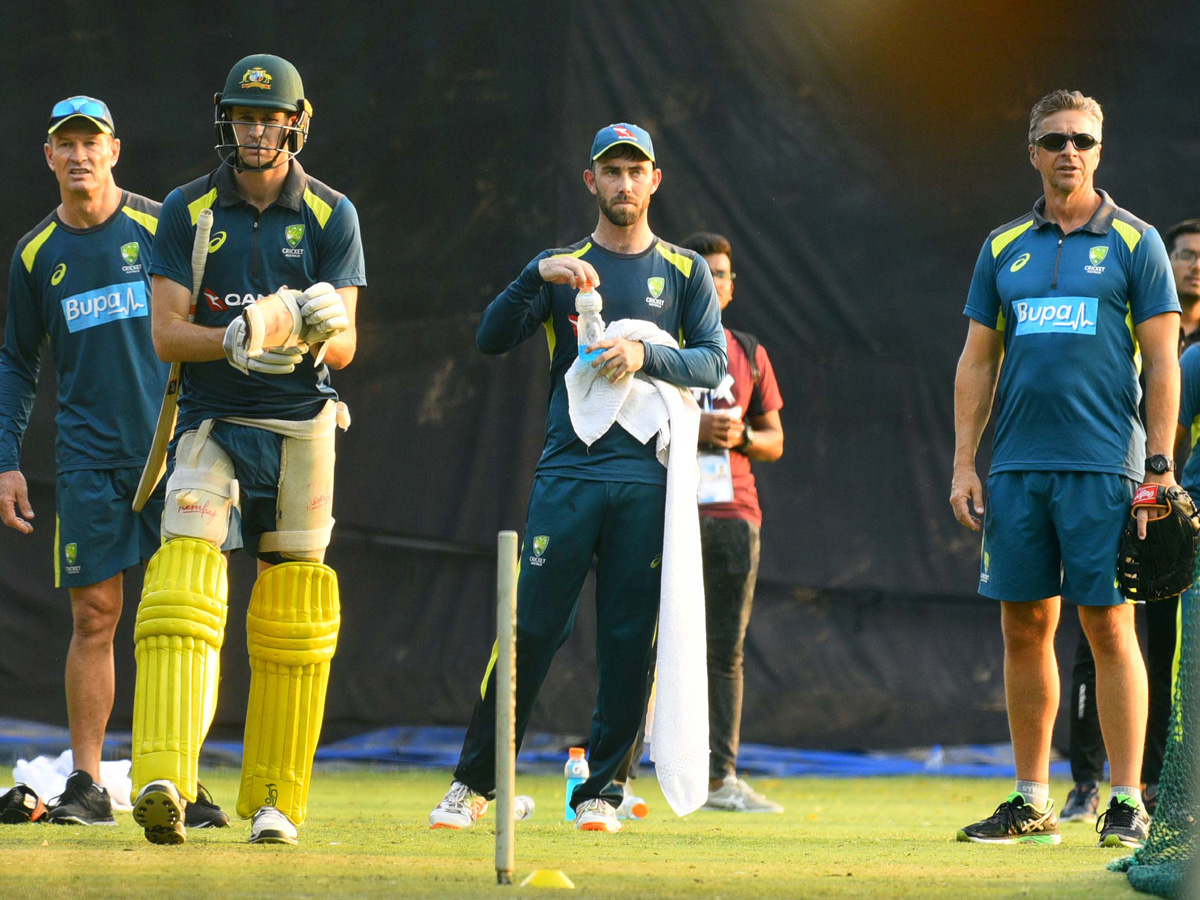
[87,290]
[1067,306]
[309,234]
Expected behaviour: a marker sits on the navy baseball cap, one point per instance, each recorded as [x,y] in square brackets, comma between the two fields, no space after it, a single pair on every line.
[622,133]
[95,111]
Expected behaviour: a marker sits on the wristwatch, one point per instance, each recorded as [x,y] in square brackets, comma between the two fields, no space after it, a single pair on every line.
[1159,464]
[747,436]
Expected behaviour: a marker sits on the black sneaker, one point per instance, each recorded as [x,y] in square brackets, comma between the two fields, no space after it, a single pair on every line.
[203,813]
[1123,824]
[82,802]
[1015,822]
[1082,803]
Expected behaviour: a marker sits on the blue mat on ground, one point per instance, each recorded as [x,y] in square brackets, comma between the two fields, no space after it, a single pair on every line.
[438,747]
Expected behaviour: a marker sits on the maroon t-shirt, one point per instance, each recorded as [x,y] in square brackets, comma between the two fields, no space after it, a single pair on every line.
[755,400]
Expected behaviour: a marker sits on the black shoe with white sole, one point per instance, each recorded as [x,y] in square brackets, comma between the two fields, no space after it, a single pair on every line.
[82,802]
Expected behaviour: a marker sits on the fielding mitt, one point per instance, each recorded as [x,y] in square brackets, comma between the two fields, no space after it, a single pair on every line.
[1160,566]
[21,804]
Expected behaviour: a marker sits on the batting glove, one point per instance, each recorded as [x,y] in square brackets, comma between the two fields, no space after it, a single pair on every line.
[270,362]
[324,313]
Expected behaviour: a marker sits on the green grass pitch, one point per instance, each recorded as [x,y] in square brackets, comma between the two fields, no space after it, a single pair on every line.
[367,836]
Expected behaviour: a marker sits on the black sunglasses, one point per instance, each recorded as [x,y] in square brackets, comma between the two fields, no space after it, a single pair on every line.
[1055,142]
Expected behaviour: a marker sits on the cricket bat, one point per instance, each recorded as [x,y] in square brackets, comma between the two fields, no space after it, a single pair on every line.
[156,461]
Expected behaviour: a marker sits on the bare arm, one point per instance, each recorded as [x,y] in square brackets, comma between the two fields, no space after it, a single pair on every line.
[175,338]
[341,348]
[768,437]
[1158,337]
[974,390]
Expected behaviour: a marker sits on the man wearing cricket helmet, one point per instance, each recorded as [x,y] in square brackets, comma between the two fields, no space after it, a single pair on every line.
[252,459]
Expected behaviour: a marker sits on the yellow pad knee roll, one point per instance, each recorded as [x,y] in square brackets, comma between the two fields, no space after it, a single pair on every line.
[177,644]
[291,632]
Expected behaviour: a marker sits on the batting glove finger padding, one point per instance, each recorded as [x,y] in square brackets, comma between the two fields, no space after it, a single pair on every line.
[1159,566]
[324,313]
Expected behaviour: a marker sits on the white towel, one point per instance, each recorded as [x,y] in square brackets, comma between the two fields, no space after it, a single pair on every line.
[646,407]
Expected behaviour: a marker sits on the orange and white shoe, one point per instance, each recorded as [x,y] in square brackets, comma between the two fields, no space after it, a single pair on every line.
[597,815]
[460,808]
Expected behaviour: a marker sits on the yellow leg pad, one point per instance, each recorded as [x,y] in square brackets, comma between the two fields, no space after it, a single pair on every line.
[291,632]
[177,644]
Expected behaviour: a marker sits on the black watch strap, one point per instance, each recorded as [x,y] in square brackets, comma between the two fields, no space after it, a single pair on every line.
[1159,464]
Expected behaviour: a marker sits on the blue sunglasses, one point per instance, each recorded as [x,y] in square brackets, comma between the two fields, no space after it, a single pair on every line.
[90,107]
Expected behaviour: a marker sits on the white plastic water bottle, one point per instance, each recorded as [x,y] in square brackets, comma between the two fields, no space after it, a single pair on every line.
[522,807]
[590,327]
[577,773]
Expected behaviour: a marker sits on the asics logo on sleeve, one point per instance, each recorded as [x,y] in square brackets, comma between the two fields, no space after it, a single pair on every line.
[1056,315]
[1020,263]
[106,304]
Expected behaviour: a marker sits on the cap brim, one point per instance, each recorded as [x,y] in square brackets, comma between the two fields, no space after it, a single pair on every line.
[99,123]
[599,153]
[258,103]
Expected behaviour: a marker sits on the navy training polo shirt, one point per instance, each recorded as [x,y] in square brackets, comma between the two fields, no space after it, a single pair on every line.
[666,285]
[309,234]
[86,289]
[1067,305]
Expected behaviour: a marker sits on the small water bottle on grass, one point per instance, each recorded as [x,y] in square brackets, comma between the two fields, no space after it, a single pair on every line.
[577,773]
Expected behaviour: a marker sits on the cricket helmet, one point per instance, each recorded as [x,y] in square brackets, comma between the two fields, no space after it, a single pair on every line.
[268,82]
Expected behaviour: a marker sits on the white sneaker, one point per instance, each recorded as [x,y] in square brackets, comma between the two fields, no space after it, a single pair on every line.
[734,795]
[159,810]
[596,815]
[460,808]
[270,826]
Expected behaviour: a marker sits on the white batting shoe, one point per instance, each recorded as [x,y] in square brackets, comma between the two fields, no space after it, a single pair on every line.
[597,815]
[270,826]
[460,808]
[159,810]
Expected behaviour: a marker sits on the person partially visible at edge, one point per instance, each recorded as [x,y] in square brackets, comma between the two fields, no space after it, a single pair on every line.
[607,500]
[80,277]
[1086,744]
[1058,299]
[739,422]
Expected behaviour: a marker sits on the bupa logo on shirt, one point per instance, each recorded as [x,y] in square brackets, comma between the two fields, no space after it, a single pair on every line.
[106,304]
[1056,315]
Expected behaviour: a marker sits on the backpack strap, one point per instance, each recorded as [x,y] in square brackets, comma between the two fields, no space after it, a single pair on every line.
[749,345]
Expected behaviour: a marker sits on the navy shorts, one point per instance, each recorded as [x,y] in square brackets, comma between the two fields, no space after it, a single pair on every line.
[1052,533]
[96,532]
[255,453]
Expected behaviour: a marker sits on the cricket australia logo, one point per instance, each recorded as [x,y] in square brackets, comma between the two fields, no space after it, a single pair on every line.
[258,77]
[655,287]
[1096,255]
[294,235]
[71,552]
[129,253]
[540,542]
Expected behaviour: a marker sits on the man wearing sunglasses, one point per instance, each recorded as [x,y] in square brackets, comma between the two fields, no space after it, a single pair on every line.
[80,277]
[1065,296]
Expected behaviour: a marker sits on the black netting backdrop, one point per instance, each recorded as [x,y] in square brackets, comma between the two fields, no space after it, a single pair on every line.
[856,154]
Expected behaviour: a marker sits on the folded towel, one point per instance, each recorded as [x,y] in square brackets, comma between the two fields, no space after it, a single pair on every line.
[648,407]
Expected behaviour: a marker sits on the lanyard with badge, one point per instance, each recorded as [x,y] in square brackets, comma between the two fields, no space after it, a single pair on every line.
[716,474]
